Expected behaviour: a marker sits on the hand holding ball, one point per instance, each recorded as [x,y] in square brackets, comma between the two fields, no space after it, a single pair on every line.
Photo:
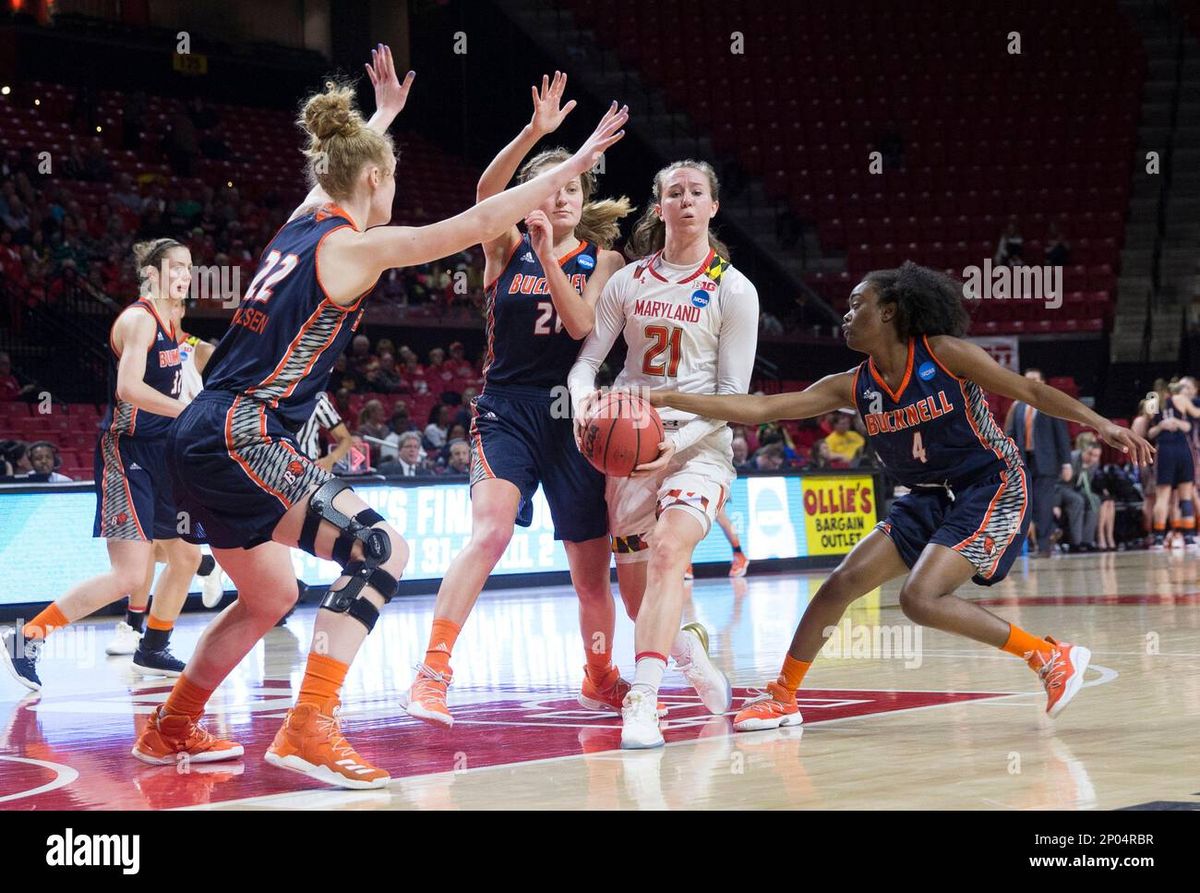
[620,432]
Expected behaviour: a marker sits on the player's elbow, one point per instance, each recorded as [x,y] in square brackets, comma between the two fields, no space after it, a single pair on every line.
[578,331]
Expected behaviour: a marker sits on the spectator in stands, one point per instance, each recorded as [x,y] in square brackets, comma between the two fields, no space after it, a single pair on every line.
[360,354]
[438,428]
[844,444]
[414,376]
[458,458]
[341,402]
[458,364]
[1085,458]
[769,324]
[16,458]
[464,413]
[343,377]
[400,425]
[1046,446]
[11,386]
[741,453]
[1010,248]
[382,376]
[43,457]
[372,423]
[437,370]
[769,457]
[1058,252]
[17,219]
[408,461]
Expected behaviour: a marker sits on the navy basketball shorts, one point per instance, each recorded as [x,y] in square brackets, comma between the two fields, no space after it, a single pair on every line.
[236,470]
[986,522]
[1174,466]
[133,492]
[516,438]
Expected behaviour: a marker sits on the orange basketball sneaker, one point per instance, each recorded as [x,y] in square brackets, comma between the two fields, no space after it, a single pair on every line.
[165,739]
[310,742]
[1061,672]
[609,694]
[739,565]
[776,708]
[427,697]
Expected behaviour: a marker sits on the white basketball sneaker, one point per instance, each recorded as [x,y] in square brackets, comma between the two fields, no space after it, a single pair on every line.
[693,662]
[212,589]
[639,721]
[125,640]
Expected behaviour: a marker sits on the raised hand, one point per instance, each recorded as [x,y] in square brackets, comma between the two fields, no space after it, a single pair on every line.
[541,233]
[546,112]
[607,132]
[390,94]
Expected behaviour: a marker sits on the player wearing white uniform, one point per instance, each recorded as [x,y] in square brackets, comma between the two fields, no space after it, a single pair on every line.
[690,321]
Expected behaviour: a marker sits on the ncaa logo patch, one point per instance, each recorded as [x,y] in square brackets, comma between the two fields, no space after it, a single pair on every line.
[585,261]
[927,371]
[700,298]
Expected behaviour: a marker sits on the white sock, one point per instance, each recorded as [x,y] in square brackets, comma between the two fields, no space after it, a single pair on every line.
[648,674]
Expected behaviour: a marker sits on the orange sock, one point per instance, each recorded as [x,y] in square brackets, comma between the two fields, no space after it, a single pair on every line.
[598,663]
[1159,527]
[45,623]
[1021,643]
[323,678]
[441,643]
[793,672]
[187,699]
[153,622]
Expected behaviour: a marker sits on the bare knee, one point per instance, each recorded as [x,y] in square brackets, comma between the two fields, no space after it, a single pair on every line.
[669,551]
[843,586]
[491,537]
[918,606]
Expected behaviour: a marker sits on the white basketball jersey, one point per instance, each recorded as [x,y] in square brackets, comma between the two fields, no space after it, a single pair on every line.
[691,329]
[192,384]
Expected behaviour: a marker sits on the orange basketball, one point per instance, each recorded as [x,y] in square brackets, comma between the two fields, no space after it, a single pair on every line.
[622,431]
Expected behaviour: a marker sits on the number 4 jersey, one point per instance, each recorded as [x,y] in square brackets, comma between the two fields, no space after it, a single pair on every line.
[936,428]
[692,329]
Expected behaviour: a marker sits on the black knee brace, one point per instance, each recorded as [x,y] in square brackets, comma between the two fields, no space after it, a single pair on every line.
[377,548]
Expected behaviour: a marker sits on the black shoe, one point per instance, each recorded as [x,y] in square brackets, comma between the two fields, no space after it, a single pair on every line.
[20,656]
[282,621]
[157,663]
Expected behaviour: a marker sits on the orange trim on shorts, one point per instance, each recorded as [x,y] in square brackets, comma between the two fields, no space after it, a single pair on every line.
[124,482]
[229,448]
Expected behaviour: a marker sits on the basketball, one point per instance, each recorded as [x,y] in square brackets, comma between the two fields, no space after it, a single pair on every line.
[622,431]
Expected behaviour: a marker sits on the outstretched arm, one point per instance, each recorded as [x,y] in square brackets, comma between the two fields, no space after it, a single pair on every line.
[967,360]
[830,393]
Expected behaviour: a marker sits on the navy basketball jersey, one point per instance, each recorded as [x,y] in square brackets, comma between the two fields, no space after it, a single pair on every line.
[1171,440]
[936,428]
[163,373]
[286,334]
[527,344]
